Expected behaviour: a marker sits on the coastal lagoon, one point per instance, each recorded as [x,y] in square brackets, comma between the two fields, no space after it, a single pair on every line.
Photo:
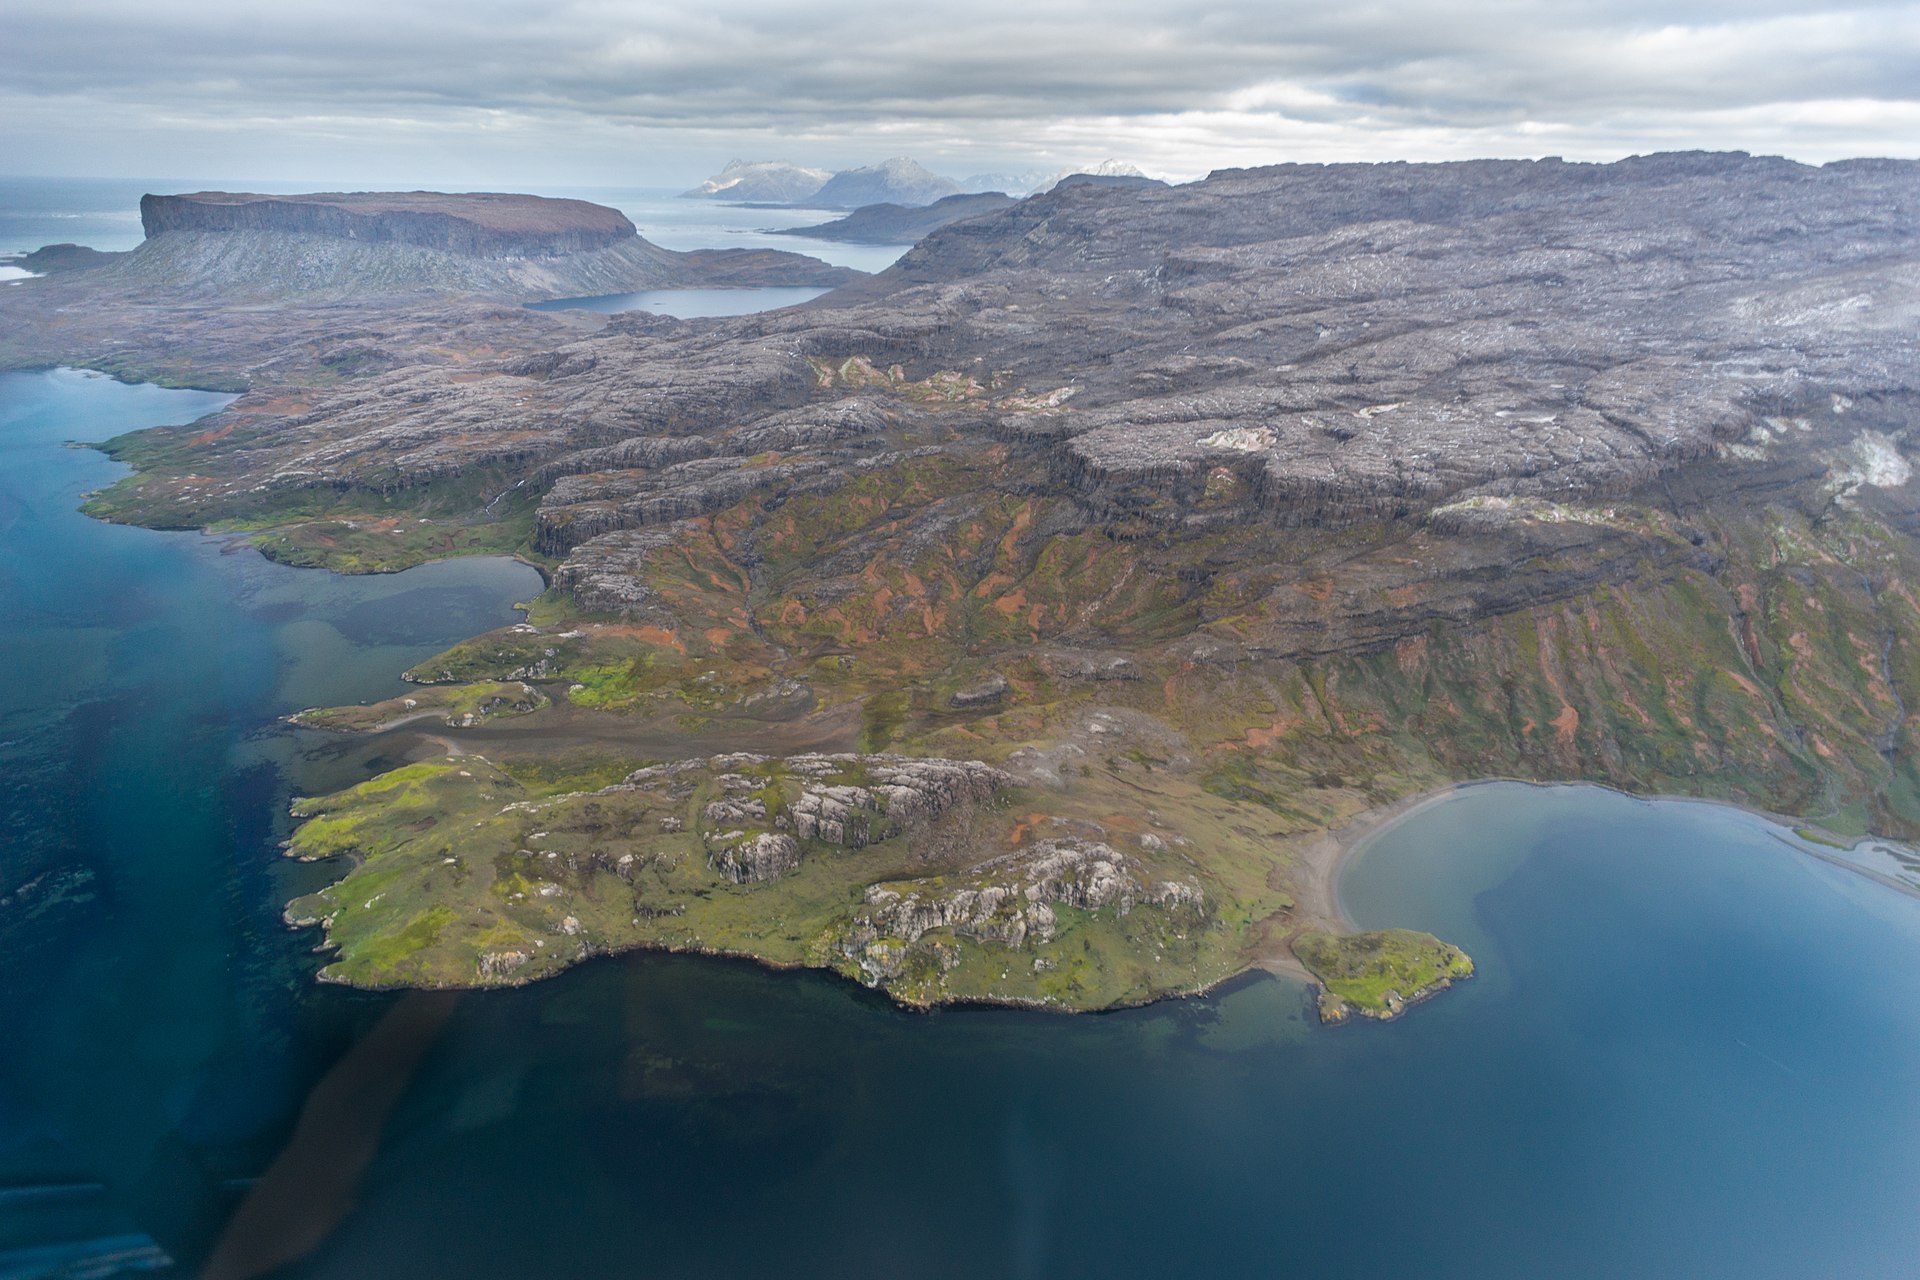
[1691,1050]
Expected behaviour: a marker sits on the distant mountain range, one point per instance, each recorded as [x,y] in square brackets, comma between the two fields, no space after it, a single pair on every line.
[899,181]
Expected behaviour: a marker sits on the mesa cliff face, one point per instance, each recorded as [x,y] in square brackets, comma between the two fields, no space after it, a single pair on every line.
[479,224]
[1208,516]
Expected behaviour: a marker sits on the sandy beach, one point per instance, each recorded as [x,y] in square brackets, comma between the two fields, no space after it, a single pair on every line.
[1318,862]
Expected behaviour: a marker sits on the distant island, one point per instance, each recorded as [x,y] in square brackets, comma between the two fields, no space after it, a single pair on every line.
[1041,620]
[899,223]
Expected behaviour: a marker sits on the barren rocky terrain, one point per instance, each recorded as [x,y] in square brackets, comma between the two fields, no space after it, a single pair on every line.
[1201,518]
[236,290]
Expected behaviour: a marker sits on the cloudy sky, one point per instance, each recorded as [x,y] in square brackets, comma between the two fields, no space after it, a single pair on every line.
[631,92]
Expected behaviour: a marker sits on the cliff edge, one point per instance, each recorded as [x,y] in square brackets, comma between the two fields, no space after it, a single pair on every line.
[475,224]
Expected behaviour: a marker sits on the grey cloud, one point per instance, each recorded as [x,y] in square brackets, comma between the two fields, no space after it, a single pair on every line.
[995,75]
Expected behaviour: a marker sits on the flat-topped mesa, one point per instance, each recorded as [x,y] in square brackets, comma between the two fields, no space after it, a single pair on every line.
[472,224]
[365,245]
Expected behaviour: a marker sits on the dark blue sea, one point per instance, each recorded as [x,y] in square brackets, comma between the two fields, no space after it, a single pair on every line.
[1692,1051]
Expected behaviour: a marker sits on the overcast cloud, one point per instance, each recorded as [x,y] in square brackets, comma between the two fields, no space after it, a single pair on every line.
[627,92]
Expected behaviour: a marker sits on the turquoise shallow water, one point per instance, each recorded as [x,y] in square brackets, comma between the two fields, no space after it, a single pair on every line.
[1692,1050]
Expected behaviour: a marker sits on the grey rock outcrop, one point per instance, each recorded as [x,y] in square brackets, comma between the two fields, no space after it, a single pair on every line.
[1314,345]
[762,810]
[894,794]
[1008,900]
[756,858]
[989,692]
[605,574]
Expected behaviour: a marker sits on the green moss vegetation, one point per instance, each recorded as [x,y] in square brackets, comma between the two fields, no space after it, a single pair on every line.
[460,706]
[366,529]
[466,872]
[382,544]
[1377,975]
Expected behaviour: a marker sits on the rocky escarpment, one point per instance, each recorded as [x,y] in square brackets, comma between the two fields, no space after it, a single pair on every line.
[477,224]
[1307,411]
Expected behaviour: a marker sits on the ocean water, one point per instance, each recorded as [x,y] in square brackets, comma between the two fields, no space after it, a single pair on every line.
[158,1030]
[101,213]
[1692,1050]
[686,303]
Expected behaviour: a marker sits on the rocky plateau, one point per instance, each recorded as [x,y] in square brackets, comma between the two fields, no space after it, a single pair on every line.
[1184,524]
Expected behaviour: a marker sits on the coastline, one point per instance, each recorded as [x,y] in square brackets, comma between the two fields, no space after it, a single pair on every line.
[1318,864]
[1321,860]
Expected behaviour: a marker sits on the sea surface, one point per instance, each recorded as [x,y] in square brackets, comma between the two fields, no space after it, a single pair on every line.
[1692,1049]
[687,304]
